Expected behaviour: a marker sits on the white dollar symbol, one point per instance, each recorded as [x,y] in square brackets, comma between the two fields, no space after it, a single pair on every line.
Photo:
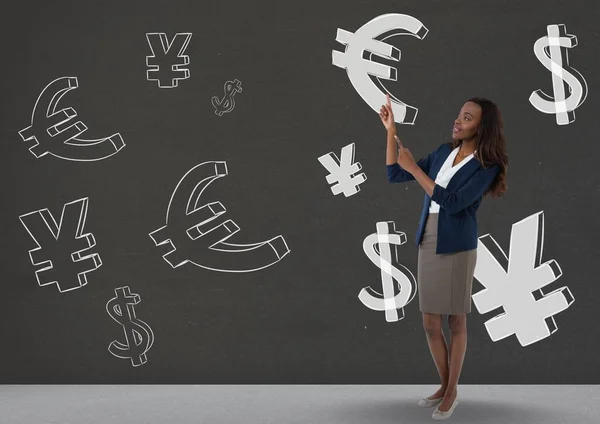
[547,49]
[377,248]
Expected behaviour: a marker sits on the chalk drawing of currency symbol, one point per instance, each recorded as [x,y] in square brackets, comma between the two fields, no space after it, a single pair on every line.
[378,250]
[227,103]
[370,39]
[167,63]
[192,233]
[549,51]
[54,132]
[64,253]
[138,335]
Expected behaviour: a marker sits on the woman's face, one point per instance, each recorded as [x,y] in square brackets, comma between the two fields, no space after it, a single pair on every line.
[467,123]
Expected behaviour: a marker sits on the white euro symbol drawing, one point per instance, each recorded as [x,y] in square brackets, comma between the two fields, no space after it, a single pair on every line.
[53,132]
[359,68]
[193,233]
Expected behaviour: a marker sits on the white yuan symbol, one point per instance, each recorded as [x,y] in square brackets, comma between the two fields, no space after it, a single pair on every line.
[512,283]
[361,70]
[167,64]
[341,172]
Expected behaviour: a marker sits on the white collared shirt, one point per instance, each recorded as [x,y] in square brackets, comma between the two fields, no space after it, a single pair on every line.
[446,173]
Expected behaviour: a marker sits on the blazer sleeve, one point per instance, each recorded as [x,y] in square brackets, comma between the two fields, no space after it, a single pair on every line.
[454,201]
[398,175]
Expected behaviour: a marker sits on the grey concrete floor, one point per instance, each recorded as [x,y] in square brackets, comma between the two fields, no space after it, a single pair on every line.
[264,404]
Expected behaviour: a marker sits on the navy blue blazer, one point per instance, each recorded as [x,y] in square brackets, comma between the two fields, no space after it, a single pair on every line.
[457,220]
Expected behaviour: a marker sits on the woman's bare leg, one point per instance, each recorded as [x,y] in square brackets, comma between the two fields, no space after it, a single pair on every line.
[458,348]
[432,323]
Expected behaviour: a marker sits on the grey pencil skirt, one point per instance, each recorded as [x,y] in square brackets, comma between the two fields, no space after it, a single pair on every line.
[444,281]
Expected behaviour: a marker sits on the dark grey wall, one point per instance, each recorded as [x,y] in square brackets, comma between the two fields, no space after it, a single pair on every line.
[261,313]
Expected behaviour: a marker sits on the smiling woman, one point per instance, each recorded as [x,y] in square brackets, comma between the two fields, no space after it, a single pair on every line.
[467,123]
[455,178]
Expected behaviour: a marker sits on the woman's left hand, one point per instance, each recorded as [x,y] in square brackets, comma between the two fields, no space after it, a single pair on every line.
[405,158]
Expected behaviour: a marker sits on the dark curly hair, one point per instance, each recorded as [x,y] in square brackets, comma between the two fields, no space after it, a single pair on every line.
[490,144]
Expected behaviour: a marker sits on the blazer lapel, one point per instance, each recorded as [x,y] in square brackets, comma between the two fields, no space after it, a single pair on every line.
[437,164]
[462,175]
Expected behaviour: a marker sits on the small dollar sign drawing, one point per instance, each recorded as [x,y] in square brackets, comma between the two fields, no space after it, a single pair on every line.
[549,51]
[138,335]
[378,250]
[228,102]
